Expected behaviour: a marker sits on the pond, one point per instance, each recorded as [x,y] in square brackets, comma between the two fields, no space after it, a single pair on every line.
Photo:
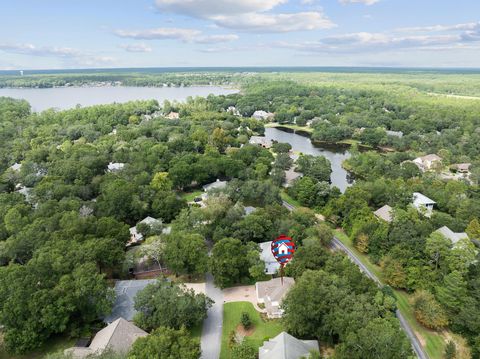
[301,143]
[68,97]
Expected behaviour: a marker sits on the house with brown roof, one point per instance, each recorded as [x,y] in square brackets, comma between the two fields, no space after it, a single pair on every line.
[118,337]
[271,293]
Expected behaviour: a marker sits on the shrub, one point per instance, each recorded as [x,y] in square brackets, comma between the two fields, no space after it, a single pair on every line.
[245,320]
[428,311]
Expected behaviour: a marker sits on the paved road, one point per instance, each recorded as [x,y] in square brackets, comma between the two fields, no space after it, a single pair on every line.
[212,326]
[337,244]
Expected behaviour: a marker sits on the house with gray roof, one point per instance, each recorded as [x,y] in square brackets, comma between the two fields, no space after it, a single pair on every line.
[260,141]
[286,346]
[271,293]
[385,213]
[290,176]
[262,115]
[118,337]
[428,162]
[451,235]
[266,255]
[217,185]
[136,236]
[115,166]
[423,204]
[398,134]
[125,292]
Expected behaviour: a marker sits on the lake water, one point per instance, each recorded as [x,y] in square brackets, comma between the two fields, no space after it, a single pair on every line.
[335,154]
[69,97]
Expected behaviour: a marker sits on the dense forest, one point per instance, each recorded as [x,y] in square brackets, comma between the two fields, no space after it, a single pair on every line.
[64,217]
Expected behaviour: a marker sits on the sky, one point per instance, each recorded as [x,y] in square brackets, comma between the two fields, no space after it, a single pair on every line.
[63,34]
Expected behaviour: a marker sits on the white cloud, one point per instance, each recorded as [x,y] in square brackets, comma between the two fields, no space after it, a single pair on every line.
[215,39]
[67,54]
[376,42]
[162,33]
[438,28]
[276,22]
[366,2]
[210,8]
[185,35]
[248,15]
[136,47]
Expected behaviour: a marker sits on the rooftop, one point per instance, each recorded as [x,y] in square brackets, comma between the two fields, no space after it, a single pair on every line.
[125,291]
[384,213]
[451,235]
[286,346]
[420,199]
[266,255]
[215,185]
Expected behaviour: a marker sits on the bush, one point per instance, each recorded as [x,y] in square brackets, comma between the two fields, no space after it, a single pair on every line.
[428,311]
[245,320]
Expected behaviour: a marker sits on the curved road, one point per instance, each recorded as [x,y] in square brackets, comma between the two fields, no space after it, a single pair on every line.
[337,244]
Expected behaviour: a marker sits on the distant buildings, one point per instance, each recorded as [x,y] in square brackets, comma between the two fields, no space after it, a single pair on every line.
[261,141]
[271,293]
[285,346]
[233,111]
[271,264]
[217,185]
[263,115]
[462,167]
[423,204]
[451,235]
[385,213]
[398,134]
[428,162]
[117,337]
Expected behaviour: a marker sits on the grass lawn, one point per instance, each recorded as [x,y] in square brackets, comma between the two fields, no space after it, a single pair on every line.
[190,196]
[289,199]
[231,318]
[432,341]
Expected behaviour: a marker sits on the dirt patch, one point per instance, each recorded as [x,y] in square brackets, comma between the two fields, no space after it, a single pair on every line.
[420,338]
[245,332]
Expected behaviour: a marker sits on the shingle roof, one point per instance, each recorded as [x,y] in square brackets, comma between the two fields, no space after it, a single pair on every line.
[215,185]
[125,291]
[273,289]
[266,255]
[451,235]
[285,346]
[419,199]
[384,213]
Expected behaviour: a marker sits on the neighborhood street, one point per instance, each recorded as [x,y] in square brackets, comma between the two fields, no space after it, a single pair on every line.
[212,326]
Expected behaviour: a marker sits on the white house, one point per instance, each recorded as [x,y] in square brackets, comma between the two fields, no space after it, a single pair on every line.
[428,162]
[451,235]
[115,166]
[398,134]
[423,204]
[173,116]
[266,255]
[217,185]
[233,110]
[262,115]
[136,236]
[16,167]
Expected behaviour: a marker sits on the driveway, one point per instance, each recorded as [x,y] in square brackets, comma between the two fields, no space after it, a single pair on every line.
[212,326]
[246,293]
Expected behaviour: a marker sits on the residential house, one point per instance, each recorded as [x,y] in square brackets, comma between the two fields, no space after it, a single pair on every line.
[266,255]
[385,213]
[423,204]
[261,141]
[451,235]
[217,185]
[125,292]
[290,176]
[262,115]
[428,162]
[117,337]
[286,346]
[249,210]
[233,110]
[115,166]
[271,293]
[462,167]
[173,116]
[136,236]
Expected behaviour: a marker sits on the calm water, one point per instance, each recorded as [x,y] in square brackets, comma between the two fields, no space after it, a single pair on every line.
[69,97]
[303,144]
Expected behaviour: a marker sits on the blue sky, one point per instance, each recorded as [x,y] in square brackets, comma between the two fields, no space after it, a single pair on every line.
[55,34]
